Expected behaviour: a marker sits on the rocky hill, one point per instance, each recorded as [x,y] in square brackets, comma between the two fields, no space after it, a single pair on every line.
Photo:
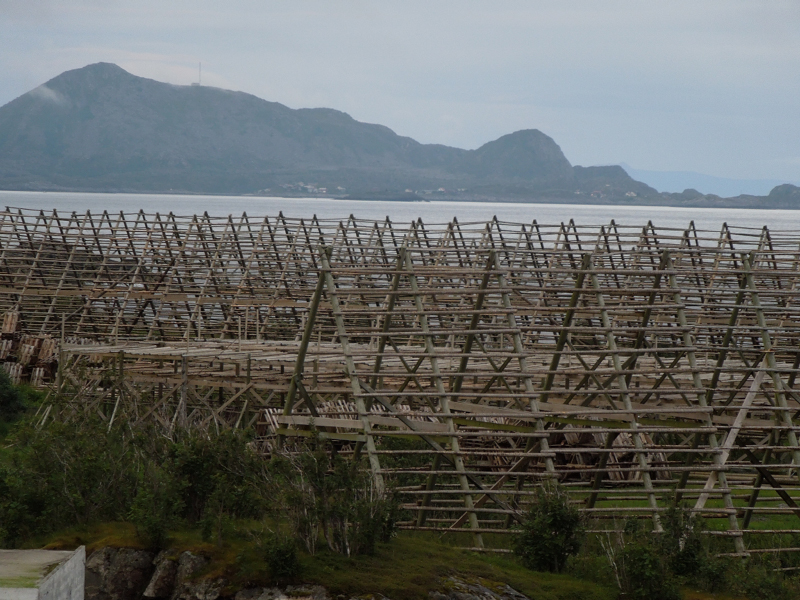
[99,128]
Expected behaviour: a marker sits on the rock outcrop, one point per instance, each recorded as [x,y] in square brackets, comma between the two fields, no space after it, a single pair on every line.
[118,574]
[458,588]
[162,583]
[127,574]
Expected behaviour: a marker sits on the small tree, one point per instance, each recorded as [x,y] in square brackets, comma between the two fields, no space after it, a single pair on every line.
[646,574]
[552,531]
[281,554]
[682,543]
[156,507]
[11,399]
[324,493]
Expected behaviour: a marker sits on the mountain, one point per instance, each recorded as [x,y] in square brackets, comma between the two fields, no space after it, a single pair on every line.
[99,128]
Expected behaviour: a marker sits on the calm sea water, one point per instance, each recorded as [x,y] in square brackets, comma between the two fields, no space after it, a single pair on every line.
[402,212]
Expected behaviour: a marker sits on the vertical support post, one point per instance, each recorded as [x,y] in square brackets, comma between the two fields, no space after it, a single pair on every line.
[688,342]
[299,364]
[459,379]
[119,385]
[751,501]
[355,384]
[444,402]
[601,468]
[562,335]
[184,388]
[391,299]
[772,366]
[60,370]
[519,350]
[626,400]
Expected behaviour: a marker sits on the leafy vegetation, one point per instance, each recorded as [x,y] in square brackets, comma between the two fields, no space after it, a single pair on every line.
[282,559]
[663,566]
[11,398]
[551,531]
[316,517]
[322,491]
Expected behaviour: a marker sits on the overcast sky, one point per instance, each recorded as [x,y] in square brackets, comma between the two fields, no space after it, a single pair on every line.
[712,87]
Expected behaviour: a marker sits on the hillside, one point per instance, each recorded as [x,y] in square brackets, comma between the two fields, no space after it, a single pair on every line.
[101,128]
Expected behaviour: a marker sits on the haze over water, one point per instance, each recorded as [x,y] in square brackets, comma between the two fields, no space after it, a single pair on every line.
[401,212]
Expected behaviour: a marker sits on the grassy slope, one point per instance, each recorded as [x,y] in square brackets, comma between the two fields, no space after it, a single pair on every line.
[405,569]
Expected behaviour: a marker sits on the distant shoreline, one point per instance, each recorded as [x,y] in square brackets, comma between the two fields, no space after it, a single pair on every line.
[743,202]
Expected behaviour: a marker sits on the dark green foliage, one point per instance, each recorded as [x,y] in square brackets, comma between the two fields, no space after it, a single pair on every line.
[652,566]
[280,553]
[551,531]
[68,474]
[646,575]
[642,560]
[714,575]
[324,493]
[12,402]
[64,475]
[681,542]
[217,477]
[156,507]
[758,578]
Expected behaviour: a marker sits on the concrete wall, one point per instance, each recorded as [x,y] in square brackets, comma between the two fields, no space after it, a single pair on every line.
[66,582]
[19,594]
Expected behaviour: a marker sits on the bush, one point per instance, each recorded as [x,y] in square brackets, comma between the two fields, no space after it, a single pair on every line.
[682,543]
[646,575]
[156,507]
[65,474]
[325,493]
[77,473]
[551,531]
[714,574]
[281,556]
[758,579]
[218,476]
[12,402]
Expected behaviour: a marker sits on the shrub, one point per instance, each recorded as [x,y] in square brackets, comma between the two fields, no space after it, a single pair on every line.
[76,473]
[758,579]
[218,476]
[21,508]
[682,543]
[156,507]
[71,474]
[281,556]
[646,575]
[551,531]
[324,493]
[12,402]
[714,574]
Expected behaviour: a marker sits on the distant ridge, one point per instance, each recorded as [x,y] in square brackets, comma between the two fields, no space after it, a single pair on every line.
[100,128]
[677,181]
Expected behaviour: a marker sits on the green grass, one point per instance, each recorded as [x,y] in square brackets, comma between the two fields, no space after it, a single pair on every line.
[98,535]
[407,568]
[18,582]
[412,565]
